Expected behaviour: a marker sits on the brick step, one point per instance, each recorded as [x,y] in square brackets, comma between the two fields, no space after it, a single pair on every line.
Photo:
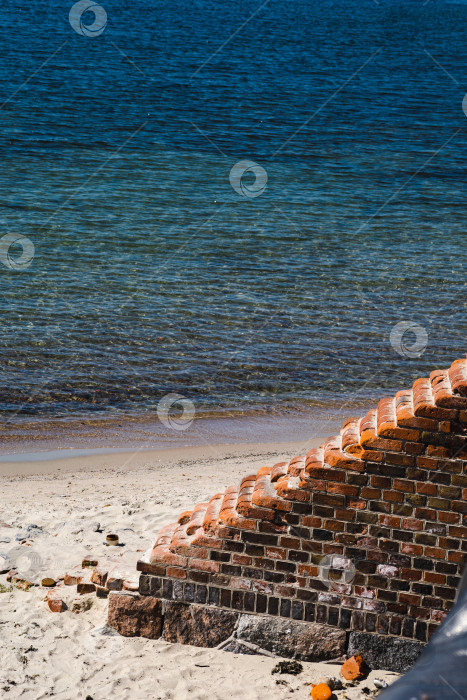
[314,461]
[211,516]
[405,413]
[229,515]
[458,377]
[165,535]
[443,394]
[197,518]
[245,505]
[296,466]
[350,435]
[334,456]
[293,488]
[181,540]
[368,429]
[433,398]
[184,517]
[278,470]
[264,494]
[386,422]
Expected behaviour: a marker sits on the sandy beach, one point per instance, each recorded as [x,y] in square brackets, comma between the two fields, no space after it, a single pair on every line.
[64,508]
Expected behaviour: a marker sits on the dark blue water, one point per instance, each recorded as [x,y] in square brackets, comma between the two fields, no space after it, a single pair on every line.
[151,274]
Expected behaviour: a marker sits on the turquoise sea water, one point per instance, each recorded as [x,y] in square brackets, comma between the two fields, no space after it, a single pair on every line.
[150,274]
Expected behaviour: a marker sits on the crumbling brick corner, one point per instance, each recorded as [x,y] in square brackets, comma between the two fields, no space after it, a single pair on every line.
[365,534]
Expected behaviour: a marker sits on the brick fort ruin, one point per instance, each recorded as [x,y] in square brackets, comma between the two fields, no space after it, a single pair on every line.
[358,544]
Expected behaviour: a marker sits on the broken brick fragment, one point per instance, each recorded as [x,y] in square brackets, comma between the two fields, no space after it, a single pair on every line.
[352,669]
[321,692]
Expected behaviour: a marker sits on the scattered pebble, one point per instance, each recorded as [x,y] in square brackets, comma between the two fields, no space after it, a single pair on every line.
[292,667]
[48,582]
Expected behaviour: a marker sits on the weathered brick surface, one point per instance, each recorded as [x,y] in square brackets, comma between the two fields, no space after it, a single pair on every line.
[366,533]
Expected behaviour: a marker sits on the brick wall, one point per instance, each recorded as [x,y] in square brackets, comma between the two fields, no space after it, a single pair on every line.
[365,533]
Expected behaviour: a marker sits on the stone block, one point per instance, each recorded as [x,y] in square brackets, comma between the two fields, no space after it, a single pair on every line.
[135,616]
[307,641]
[385,653]
[198,625]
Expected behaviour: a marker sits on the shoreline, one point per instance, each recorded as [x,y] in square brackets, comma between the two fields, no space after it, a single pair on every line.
[134,460]
[39,439]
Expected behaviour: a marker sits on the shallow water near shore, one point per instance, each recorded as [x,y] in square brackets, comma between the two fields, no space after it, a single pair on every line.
[41,440]
[153,275]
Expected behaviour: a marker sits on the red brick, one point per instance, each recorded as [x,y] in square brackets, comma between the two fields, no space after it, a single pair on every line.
[371,455]
[370,493]
[241,559]
[329,548]
[427,488]
[425,513]
[56,605]
[325,473]
[403,485]
[284,591]
[262,587]
[427,463]
[409,548]
[173,572]
[415,448]
[420,613]
[447,517]
[378,443]
[431,577]
[399,459]
[409,598]
[393,496]
[357,505]
[458,557]
[241,584]
[334,526]
[435,552]
[345,514]
[343,489]
[276,552]
[307,570]
[382,482]
[438,615]
[389,520]
[289,542]
[212,567]
[411,574]
[437,451]
[318,484]
[412,524]
[438,413]
[401,434]
[311,521]
[457,531]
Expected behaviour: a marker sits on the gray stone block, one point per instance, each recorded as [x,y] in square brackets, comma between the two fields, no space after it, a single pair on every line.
[199,625]
[385,653]
[307,641]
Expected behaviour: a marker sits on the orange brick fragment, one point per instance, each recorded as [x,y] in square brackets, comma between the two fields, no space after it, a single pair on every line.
[352,669]
[321,692]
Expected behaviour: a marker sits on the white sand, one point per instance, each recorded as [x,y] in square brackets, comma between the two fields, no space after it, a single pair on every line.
[45,654]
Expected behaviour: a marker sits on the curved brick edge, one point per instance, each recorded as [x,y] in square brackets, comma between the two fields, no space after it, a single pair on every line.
[208,626]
